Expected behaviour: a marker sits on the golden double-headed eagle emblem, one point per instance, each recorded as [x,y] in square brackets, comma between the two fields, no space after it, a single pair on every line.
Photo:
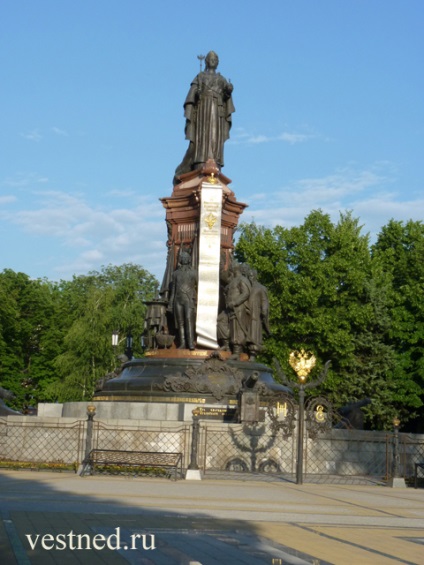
[210,220]
[302,363]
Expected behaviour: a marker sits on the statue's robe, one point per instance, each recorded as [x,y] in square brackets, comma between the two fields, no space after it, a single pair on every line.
[207,108]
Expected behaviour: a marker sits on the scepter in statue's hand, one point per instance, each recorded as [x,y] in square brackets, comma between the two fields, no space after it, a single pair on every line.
[201,59]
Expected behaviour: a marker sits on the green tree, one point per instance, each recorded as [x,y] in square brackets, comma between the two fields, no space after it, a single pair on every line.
[400,249]
[329,296]
[29,339]
[97,304]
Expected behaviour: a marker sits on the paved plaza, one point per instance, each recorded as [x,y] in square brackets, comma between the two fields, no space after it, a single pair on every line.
[62,518]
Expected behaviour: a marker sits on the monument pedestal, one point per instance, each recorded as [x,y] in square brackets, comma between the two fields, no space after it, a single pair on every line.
[184,377]
[148,413]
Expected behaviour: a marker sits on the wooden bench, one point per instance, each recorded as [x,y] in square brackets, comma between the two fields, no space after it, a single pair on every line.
[109,457]
[417,466]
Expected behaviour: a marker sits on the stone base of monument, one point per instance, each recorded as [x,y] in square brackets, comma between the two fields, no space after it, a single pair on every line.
[148,413]
[153,400]
[179,376]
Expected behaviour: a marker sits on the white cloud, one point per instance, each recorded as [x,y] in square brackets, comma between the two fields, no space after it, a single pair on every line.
[258,196]
[93,235]
[59,131]
[24,179]
[33,135]
[77,235]
[240,136]
[365,192]
[122,192]
[380,208]
[7,199]
[254,139]
[293,138]
[93,255]
[344,183]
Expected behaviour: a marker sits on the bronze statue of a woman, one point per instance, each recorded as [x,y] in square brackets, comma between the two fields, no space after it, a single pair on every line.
[207,108]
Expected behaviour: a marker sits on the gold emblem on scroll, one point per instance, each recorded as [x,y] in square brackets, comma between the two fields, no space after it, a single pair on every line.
[210,220]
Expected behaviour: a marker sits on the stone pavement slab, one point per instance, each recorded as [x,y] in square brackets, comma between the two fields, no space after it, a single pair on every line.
[205,522]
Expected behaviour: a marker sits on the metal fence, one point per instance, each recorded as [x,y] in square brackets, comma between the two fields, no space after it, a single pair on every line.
[254,449]
[48,444]
[136,438]
[222,448]
[336,453]
[411,452]
[349,453]
[30,443]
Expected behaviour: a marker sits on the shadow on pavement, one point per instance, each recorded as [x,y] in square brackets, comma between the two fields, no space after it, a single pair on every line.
[68,519]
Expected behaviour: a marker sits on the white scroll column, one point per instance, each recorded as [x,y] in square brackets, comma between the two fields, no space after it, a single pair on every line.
[209,259]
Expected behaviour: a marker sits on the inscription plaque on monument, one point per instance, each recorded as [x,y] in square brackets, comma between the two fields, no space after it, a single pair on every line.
[209,256]
[250,412]
[221,413]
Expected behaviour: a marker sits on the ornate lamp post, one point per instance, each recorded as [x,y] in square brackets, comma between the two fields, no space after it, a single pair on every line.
[396,456]
[302,363]
[129,344]
[195,440]
[397,480]
[143,343]
[91,412]
[193,471]
[115,340]
[84,466]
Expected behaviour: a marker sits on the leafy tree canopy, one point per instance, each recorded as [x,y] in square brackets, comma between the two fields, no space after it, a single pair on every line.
[329,295]
[55,339]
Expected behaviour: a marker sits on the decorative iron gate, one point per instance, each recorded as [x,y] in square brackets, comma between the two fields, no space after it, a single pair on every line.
[328,452]
[245,448]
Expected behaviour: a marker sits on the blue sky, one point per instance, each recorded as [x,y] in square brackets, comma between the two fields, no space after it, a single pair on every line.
[329,114]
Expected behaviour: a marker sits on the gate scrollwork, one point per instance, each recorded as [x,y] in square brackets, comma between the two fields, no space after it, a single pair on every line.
[319,416]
